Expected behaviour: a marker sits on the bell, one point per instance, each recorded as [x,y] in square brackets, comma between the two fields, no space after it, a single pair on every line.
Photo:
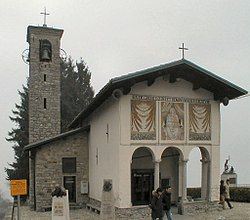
[45,55]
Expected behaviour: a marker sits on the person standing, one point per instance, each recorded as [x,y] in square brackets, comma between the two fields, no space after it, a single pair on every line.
[227,193]
[156,205]
[222,194]
[167,202]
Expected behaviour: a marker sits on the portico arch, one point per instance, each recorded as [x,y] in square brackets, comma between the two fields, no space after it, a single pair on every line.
[204,169]
[169,170]
[142,176]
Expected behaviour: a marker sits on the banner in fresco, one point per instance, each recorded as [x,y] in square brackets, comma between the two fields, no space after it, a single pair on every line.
[169,99]
[172,121]
[199,122]
[143,117]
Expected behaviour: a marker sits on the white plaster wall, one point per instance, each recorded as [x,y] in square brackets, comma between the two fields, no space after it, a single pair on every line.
[180,88]
[215,172]
[116,155]
[215,123]
[161,87]
[108,151]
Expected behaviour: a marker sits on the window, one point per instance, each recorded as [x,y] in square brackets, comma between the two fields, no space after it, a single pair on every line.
[44,103]
[45,51]
[69,165]
[44,77]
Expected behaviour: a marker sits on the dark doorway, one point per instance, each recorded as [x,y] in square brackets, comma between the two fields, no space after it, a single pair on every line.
[165,183]
[70,185]
[142,186]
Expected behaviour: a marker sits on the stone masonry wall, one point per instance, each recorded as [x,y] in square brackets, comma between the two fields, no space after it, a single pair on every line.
[44,123]
[48,164]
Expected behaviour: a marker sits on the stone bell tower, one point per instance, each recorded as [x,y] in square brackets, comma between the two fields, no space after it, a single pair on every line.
[44,82]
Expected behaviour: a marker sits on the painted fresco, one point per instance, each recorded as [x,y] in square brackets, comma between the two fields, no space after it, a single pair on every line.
[199,122]
[143,120]
[172,121]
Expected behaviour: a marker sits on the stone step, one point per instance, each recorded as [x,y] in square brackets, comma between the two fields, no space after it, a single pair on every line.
[75,206]
[93,208]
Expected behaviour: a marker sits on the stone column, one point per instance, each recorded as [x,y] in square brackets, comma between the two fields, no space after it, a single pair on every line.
[204,179]
[183,179]
[214,173]
[157,174]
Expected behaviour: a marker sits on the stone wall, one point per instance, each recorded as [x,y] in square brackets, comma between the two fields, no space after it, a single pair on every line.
[135,212]
[48,165]
[31,179]
[44,122]
[196,207]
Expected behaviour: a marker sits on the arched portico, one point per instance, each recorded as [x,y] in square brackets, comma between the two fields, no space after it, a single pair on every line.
[205,171]
[142,176]
[170,170]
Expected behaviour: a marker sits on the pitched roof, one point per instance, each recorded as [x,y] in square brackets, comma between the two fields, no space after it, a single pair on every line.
[200,77]
[55,138]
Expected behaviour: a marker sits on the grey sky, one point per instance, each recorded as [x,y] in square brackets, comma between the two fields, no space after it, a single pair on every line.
[115,37]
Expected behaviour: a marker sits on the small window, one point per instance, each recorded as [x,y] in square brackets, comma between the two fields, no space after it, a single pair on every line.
[44,77]
[44,103]
[69,165]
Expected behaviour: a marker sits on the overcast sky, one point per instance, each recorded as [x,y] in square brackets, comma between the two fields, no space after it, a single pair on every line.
[115,37]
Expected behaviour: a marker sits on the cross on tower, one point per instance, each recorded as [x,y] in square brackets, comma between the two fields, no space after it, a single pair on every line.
[183,49]
[44,18]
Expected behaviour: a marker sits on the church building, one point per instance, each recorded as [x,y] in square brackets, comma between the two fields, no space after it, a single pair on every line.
[137,133]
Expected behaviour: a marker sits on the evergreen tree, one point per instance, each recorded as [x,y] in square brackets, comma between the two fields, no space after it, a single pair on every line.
[20,137]
[76,94]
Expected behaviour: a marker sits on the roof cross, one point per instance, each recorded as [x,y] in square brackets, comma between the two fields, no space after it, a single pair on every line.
[44,17]
[183,50]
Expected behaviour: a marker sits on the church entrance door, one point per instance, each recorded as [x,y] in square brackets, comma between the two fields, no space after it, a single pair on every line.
[142,176]
[70,185]
[142,186]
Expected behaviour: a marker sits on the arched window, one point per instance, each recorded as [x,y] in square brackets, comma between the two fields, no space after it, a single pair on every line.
[45,51]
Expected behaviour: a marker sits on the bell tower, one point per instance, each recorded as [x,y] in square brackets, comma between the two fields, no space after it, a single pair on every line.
[44,82]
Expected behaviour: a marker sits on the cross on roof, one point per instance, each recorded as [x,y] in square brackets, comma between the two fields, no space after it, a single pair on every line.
[183,49]
[44,18]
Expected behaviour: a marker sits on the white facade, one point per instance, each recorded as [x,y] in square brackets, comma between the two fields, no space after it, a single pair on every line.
[111,148]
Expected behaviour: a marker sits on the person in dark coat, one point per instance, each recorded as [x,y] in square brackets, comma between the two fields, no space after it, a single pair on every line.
[222,194]
[156,205]
[166,200]
[227,194]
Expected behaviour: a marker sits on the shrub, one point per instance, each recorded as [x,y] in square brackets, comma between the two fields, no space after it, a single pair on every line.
[240,194]
[237,194]
[194,192]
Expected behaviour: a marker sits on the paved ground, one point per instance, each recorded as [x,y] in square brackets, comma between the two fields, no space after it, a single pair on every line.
[241,211]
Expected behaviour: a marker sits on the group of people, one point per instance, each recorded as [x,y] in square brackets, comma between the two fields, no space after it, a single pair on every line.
[161,203]
[225,194]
